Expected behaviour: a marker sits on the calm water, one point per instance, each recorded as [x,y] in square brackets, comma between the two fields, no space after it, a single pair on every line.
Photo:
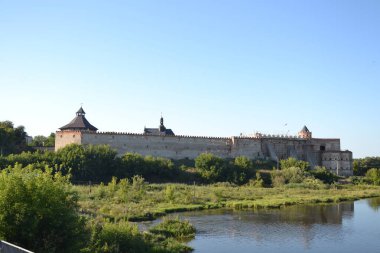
[345,227]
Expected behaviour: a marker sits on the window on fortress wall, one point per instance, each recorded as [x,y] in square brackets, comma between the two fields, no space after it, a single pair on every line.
[322,148]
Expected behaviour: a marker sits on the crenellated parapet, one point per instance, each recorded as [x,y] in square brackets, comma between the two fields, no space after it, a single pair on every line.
[160,142]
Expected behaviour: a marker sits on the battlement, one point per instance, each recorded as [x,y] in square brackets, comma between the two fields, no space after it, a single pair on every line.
[161,142]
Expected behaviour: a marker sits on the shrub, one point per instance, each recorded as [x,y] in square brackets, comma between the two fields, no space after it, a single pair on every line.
[293,162]
[210,167]
[288,175]
[323,174]
[38,210]
[174,228]
[116,238]
[96,163]
[373,176]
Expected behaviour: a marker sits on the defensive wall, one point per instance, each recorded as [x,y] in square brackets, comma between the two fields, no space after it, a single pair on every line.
[318,152]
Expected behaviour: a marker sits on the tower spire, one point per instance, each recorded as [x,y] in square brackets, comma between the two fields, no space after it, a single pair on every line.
[162,127]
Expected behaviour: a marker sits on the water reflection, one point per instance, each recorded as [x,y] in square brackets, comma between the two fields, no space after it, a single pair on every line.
[344,227]
[374,203]
[290,223]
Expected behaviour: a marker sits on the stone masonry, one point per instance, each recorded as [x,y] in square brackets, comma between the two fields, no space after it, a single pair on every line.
[318,152]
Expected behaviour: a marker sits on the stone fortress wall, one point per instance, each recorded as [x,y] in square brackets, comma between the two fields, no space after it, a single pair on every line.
[318,152]
[162,142]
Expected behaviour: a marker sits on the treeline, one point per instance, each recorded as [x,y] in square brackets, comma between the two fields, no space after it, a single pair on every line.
[361,166]
[100,163]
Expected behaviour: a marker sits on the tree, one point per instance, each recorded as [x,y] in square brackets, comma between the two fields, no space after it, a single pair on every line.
[210,167]
[43,141]
[92,162]
[39,211]
[12,140]
[361,166]
[324,175]
[373,176]
[293,162]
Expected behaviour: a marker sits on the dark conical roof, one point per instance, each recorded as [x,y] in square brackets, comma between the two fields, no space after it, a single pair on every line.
[81,111]
[304,129]
[79,123]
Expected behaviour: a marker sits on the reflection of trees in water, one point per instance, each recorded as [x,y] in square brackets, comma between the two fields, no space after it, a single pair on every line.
[374,203]
[305,215]
[302,223]
[285,225]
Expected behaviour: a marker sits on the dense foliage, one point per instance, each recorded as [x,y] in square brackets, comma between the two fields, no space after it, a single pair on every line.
[174,228]
[373,176]
[12,140]
[293,162]
[100,163]
[361,166]
[38,210]
[43,141]
[215,169]
[295,172]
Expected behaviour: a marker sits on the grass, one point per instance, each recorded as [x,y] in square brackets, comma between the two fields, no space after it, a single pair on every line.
[150,201]
[174,228]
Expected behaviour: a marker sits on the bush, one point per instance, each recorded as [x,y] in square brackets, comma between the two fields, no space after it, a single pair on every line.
[288,175]
[95,163]
[174,228]
[153,169]
[38,211]
[116,238]
[323,174]
[373,176]
[124,237]
[210,167]
[293,162]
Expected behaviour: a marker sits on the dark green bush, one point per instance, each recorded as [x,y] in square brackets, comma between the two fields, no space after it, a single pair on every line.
[38,211]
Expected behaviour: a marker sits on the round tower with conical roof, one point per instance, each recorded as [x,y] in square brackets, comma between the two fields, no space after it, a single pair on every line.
[79,123]
[305,133]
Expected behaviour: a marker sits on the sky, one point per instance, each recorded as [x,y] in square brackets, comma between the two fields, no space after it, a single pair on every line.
[212,68]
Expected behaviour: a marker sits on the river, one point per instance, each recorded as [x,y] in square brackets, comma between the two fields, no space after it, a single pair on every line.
[344,227]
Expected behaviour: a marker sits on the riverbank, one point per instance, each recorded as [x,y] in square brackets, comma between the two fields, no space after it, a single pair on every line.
[139,201]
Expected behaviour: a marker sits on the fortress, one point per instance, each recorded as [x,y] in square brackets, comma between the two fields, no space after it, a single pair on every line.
[162,142]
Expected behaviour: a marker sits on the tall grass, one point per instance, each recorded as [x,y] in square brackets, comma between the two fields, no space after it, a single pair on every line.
[123,201]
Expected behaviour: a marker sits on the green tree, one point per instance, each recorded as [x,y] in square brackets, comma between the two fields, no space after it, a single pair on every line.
[43,141]
[95,163]
[242,170]
[12,140]
[361,166]
[153,169]
[324,175]
[373,176]
[39,211]
[288,175]
[293,162]
[210,167]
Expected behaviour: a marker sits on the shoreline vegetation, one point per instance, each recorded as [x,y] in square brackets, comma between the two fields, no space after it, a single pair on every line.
[98,218]
[156,200]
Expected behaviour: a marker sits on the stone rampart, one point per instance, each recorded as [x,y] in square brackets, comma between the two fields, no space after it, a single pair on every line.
[325,152]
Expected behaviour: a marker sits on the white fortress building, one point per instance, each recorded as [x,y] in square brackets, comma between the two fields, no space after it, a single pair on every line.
[162,142]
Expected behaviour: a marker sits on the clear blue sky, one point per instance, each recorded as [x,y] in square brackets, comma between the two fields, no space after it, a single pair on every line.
[213,68]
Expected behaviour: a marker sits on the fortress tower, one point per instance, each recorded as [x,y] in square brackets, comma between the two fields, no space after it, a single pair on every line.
[79,123]
[305,133]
